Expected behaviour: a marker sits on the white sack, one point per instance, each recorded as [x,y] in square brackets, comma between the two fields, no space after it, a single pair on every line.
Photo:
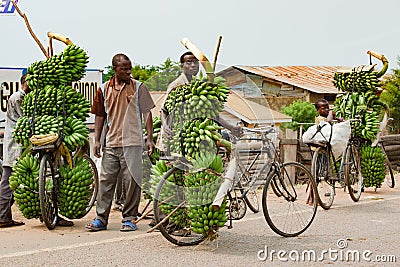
[340,135]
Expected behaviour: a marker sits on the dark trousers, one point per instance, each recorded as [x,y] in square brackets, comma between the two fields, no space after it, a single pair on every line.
[6,196]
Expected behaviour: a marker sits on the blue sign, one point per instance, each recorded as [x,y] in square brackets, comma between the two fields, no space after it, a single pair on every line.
[6,7]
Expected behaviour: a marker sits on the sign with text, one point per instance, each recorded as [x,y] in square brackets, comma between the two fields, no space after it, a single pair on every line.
[7,8]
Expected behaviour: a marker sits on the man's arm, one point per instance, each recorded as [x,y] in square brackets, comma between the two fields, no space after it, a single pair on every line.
[148,118]
[98,128]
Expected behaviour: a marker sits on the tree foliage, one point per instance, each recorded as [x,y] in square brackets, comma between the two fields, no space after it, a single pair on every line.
[156,78]
[391,96]
[301,112]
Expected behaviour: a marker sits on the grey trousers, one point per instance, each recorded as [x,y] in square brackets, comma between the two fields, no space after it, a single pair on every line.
[6,196]
[127,163]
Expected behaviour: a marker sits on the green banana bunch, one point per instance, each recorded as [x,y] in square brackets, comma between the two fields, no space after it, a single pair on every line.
[24,183]
[199,135]
[75,187]
[52,100]
[44,124]
[206,220]
[358,80]
[76,133]
[372,166]
[62,69]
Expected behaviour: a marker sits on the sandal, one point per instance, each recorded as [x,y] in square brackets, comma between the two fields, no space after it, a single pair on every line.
[11,224]
[96,225]
[128,226]
[63,222]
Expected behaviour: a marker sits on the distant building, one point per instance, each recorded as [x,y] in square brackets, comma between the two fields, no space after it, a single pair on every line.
[238,108]
[280,86]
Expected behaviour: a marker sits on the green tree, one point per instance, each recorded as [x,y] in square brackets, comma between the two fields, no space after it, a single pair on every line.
[165,74]
[156,78]
[391,96]
[301,112]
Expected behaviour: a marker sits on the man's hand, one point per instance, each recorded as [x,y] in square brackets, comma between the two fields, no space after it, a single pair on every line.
[96,149]
[237,131]
[149,146]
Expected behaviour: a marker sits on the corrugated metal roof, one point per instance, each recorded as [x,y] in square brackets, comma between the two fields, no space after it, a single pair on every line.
[252,112]
[317,79]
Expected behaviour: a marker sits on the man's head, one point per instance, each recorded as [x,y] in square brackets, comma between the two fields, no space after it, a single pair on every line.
[322,106]
[24,84]
[122,67]
[189,64]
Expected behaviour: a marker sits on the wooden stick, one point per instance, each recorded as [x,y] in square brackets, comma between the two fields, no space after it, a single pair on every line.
[30,29]
[201,57]
[216,52]
[166,218]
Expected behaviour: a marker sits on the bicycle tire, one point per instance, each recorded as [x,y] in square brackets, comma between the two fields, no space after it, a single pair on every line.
[48,192]
[168,193]
[320,169]
[1,169]
[250,194]
[94,187]
[290,217]
[389,176]
[352,172]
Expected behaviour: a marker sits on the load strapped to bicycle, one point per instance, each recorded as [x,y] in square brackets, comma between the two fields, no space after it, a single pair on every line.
[54,175]
[361,164]
[361,100]
[192,183]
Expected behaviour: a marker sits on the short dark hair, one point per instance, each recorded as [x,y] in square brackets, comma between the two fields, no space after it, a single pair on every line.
[117,58]
[320,102]
[23,78]
[188,53]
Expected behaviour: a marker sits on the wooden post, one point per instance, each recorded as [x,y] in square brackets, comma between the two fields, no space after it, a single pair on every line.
[288,148]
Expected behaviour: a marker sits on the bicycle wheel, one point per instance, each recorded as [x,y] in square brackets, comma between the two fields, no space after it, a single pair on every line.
[94,187]
[352,172]
[47,192]
[169,207]
[320,169]
[389,176]
[293,212]
[250,192]
[1,168]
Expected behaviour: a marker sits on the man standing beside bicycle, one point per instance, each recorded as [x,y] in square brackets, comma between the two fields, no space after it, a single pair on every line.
[121,102]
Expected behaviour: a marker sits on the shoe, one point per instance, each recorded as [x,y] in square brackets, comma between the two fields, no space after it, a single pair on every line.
[128,227]
[11,224]
[96,225]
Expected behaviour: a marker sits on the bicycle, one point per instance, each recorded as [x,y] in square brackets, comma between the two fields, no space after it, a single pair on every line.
[250,169]
[348,174]
[284,197]
[51,158]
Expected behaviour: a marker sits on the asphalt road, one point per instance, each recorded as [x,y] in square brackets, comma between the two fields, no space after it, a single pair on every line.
[352,234]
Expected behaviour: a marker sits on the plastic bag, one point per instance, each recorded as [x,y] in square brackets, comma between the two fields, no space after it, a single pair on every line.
[337,134]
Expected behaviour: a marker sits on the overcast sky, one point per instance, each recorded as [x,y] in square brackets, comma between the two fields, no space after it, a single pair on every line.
[254,32]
